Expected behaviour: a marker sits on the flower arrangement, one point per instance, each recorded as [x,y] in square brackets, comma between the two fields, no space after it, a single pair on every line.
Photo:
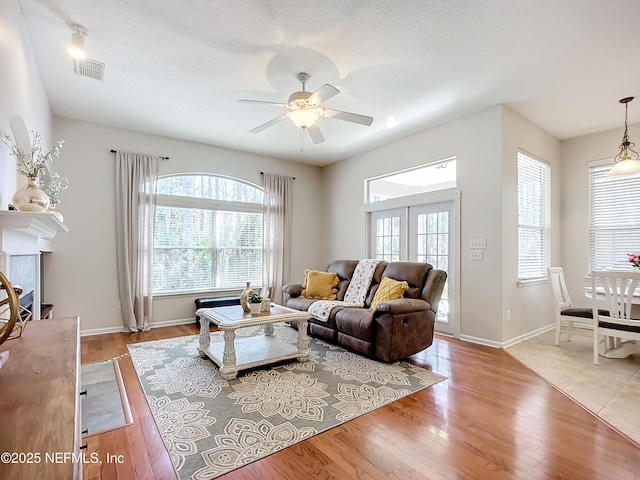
[254,297]
[634,259]
[57,185]
[31,163]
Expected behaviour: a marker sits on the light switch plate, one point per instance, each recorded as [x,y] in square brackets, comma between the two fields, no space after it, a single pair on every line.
[478,243]
[475,255]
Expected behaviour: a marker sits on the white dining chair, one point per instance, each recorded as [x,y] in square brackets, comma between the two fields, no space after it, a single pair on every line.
[564,309]
[616,292]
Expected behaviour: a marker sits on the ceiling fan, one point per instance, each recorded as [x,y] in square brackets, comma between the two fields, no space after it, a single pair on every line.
[304,108]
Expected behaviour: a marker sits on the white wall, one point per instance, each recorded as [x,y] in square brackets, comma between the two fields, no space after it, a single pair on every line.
[475,141]
[81,273]
[21,92]
[485,145]
[531,306]
[576,153]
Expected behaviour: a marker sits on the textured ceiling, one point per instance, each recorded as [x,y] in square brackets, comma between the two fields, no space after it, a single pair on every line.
[177,69]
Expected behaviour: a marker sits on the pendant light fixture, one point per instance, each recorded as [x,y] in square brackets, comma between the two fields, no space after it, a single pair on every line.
[627,161]
[78,34]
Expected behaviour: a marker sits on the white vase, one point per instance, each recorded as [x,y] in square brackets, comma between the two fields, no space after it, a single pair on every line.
[255,308]
[31,198]
[266,301]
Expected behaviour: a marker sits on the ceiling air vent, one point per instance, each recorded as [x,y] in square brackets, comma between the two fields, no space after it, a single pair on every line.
[89,68]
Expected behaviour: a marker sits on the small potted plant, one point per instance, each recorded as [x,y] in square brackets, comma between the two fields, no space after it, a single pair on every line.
[255,302]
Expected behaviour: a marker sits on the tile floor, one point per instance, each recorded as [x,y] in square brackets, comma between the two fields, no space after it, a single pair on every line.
[102,406]
[611,390]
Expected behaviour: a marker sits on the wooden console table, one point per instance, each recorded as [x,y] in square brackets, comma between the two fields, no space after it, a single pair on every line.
[40,404]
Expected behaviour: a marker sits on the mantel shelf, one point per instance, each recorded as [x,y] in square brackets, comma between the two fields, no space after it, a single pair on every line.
[28,233]
[42,225]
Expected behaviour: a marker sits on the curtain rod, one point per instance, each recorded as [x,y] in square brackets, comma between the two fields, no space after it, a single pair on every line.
[161,158]
[262,173]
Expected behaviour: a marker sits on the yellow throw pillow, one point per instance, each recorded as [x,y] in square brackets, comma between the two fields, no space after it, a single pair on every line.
[389,289]
[320,285]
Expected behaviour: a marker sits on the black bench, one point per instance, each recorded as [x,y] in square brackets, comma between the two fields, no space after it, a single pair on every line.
[215,302]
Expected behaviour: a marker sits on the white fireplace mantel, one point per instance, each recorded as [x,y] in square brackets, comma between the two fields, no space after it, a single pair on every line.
[27,233]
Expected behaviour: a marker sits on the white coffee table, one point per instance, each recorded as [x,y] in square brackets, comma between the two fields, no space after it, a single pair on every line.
[236,354]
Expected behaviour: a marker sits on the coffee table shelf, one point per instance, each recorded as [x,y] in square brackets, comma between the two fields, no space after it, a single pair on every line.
[236,354]
[254,351]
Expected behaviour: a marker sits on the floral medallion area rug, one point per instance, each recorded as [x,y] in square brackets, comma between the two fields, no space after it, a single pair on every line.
[211,426]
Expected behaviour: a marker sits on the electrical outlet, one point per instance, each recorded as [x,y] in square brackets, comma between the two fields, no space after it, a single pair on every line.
[478,243]
[508,315]
[475,255]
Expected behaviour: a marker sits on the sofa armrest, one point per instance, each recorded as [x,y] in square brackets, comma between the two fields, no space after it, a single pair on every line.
[291,290]
[401,306]
[402,327]
[433,287]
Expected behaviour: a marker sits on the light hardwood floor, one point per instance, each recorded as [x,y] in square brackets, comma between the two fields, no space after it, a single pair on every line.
[493,418]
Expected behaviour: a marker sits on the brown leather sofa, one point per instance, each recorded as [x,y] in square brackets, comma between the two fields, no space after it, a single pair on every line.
[394,329]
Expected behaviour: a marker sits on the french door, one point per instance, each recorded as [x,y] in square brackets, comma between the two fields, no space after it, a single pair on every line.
[389,234]
[423,233]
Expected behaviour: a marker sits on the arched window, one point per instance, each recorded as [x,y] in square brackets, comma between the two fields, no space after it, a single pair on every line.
[208,234]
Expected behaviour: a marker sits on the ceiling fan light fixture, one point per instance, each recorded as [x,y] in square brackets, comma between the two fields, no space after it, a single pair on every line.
[76,47]
[303,117]
[627,161]
[304,109]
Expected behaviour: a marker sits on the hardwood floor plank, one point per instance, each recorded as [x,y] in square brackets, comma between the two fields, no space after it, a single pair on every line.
[138,451]
[107,446]
[491,419]
[123,468]
[91,471]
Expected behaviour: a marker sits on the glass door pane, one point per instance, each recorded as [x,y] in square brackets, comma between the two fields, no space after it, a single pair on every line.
[389,237]
[431,241]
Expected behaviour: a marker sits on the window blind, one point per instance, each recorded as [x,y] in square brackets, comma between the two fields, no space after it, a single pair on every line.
[198,249]
[534,217]
[614,219]
[208,234]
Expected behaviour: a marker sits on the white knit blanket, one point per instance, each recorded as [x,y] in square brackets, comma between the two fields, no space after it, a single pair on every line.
[355,294]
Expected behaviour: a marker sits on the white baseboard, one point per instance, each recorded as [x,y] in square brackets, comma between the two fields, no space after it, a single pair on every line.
[528,335]
[101,331]
[169,323]
[508,343]
[480,341]
[121,329]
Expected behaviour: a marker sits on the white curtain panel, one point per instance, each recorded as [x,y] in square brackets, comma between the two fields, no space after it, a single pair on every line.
[136,180]
[276,231]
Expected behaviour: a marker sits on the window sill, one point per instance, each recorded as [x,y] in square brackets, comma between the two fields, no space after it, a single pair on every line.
[532,281]
[200,293]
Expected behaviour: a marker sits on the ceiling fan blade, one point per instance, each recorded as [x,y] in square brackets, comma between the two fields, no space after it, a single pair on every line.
[262,101]
[348,116]
[324,93]
[260,128]
[315,134]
